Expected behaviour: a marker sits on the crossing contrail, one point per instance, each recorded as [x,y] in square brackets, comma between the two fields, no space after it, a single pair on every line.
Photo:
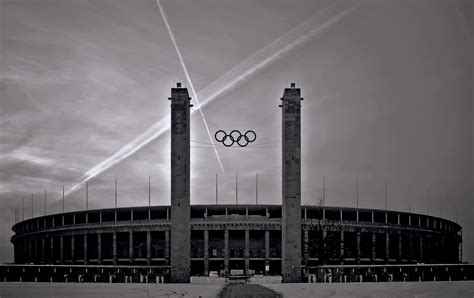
[175,44]
[275,50]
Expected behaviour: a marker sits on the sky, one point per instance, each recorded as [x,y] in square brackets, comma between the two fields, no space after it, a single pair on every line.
[387,89]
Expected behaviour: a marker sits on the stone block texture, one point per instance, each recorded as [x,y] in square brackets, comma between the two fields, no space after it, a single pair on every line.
[291,185]
[180,185]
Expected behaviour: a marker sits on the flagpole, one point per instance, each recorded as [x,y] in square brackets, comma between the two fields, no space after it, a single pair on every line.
[115,193]
[236,189]
[357,192]
[409,197]
[256,188]
[324,197]
[32,212]
[87,195]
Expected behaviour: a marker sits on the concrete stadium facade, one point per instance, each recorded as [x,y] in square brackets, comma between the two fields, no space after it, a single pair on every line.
[289,240]
[245,237]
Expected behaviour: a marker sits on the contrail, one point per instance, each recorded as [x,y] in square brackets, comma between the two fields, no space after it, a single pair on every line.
[276,49]
[273,51]
[165,19]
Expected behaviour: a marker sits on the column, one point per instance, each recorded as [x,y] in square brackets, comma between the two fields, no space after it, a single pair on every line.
[30,250]
[421,249]
[206,252]
[374,242]
[114,247]
[400,246]
[226,250]
[51,251]
[22,252]
[358,248]
[35,251]
[267,249]
[43,245]
[85,249]
[442,257]
[341,246]
[325,255]
[61,248]
[130,246]
[72,250]
[27,249]
[387,246]
[247,252]
[148,247]
[410,256]
[25,246]
[29,246]
[99,248]
[167,246]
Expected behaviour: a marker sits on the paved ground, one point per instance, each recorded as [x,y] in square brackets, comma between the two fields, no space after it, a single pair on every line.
[247,291]
[107,290]
[395,289]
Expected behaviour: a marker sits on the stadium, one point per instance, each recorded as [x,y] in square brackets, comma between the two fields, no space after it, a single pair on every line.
[183,242]
[246,237]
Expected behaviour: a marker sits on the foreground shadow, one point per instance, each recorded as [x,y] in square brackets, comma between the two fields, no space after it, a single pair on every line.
[247,290]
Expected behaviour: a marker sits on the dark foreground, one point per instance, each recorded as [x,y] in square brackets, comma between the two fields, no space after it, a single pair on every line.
[247,291]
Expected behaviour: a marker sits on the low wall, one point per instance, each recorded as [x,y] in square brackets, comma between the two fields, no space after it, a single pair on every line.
[389,273]
[160,274]
[84,273]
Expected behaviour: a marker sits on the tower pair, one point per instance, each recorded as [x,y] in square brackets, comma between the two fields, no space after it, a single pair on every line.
[180,185]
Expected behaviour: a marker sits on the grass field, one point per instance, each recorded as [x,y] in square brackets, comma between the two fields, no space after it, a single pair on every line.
[409,289]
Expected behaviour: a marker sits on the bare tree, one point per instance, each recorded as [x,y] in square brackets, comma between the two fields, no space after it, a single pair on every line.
[321,241]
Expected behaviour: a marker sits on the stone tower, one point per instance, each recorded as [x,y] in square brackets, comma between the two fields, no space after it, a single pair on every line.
[291,184]
[180,246]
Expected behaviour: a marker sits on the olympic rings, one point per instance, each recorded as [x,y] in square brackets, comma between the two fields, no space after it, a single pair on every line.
[235,136]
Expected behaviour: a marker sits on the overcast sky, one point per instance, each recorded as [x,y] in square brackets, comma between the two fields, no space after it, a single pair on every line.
[387,88]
